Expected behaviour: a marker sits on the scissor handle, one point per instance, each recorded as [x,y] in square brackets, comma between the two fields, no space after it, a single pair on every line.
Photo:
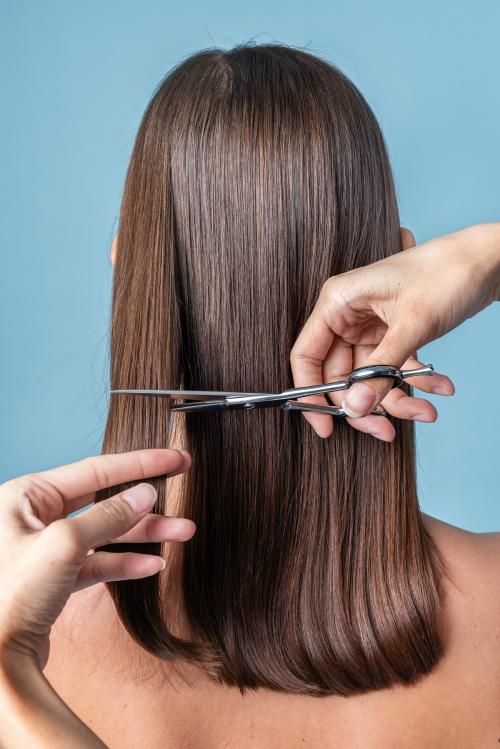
[377,370]
[386,370]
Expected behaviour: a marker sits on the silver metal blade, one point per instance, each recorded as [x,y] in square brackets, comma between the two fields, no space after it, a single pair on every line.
[194,395]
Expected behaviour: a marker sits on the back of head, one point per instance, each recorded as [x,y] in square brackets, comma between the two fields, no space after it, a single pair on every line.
[257,174]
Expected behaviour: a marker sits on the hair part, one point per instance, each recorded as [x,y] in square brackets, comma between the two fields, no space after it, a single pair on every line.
[256,174]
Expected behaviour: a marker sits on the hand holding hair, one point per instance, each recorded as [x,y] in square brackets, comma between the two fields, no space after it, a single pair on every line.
[44,558]
[382,313]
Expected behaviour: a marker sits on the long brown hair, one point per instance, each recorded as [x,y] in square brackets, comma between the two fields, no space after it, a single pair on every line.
[256,174]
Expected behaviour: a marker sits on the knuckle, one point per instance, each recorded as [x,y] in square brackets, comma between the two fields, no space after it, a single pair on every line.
[332,291]
[332,299]
[294,353]
[21,485]
[117,510]
[327,286]
[298,353]
[63,537]
[143,466]
[94,569]
[99,472]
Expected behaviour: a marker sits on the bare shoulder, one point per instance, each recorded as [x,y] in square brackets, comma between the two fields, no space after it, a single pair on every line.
[473,559]
[470,606]
[449,535]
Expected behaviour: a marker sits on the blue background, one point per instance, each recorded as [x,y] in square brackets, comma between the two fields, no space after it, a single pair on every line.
[76,78]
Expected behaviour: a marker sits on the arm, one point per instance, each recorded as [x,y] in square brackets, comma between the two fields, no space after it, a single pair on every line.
[32,715]
[384,312]
[488,242]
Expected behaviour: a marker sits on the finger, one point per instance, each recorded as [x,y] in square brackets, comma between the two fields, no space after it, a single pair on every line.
[105,566]
[340,361]
[112,517]
[311,347]
[403,406]
[72,505]
[306,359]
[336,365]
[397,403]
[439,384]
[102,471]
[321,423]
[394,349]
[157,528]
[377,426]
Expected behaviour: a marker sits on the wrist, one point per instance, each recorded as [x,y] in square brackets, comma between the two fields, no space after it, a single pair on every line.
[19,676]
[480,247]
[16,664]
[31,713]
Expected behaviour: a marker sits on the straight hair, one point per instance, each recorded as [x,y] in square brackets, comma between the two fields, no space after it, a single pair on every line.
[257,173]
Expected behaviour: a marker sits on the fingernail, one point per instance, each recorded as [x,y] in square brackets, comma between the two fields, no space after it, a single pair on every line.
[186,456]
[141,497]
[359,400]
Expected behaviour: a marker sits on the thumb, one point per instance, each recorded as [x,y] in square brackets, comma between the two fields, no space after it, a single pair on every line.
[394,349]
[113,517]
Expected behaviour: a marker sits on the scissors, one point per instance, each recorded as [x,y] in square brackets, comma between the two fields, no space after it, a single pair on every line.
[205,401]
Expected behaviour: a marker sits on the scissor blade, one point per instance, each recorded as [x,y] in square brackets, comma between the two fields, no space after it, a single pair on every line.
[332,410]
[193,395]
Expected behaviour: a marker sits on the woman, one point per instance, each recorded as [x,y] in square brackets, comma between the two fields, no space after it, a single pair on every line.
[256,175]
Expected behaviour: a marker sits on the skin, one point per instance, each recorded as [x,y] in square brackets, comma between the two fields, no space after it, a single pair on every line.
[132,699]
[383,313]
[378,314]
[45,557]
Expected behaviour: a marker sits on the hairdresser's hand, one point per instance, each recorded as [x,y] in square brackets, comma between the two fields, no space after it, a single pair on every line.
[384,312]
[44,555]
